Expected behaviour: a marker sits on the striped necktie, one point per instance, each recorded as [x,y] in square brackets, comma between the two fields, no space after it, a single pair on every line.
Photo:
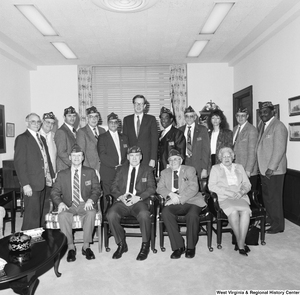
[189,142]
[95,132]
[76,197]
[138,125]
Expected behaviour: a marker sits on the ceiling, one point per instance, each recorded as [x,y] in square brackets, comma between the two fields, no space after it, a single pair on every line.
[162,34]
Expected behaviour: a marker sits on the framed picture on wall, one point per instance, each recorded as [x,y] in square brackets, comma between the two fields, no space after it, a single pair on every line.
[294,131]
[2,130]
[10,130]
[294,106]
[258,120]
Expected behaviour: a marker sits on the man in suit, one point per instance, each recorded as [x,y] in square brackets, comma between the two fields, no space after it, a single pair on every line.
[178,185]
[169,138]
[75,192]
[112,149]
[141,130]
[87,138]
[65,138]
[197,153]
[272,162]
[133,185]
[34,171]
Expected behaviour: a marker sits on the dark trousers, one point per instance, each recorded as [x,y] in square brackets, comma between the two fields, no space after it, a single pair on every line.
[46,206]
[272,191]
[139,210]
[191,213]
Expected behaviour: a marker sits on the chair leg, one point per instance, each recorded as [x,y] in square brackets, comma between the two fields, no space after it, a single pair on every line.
[219,234]
[106,237]
[161,236]
[262,230]
[153,238]
[99,233]
[209,236]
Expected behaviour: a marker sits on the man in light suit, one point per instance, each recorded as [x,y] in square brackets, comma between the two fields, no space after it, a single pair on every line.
[87,139]
[112,149]
[65,138]
[245,137]
[169,138]
[34,171]
[197,152]
[75,192]
[133,185]
[178,184]
[141,130]
[272,162]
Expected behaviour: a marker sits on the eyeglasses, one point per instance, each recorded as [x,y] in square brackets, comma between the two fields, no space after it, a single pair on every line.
[49,123]
[113,122]
[93,117]
[35,122]
[241,116]
[189,116]
[138,103]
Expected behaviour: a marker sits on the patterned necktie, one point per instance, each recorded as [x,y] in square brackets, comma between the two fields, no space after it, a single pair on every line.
[74,132]
[189,142]
[175,179]
[138,125]
[76,197]
[237,135]
[132,177]
[96,134]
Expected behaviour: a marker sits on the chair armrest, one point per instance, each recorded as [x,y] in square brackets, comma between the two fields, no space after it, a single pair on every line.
[254,200]
[214,197]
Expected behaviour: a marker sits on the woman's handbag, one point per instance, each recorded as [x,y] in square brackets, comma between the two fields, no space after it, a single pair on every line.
[252,235]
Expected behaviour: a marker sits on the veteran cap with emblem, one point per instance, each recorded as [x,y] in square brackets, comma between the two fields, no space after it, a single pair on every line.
[189,109]
[69,110]
[266,104]
[243,110]
[174,152]
[91,110]
[112,116]
[134,149]
[49,115]
[76,149]
[165,110]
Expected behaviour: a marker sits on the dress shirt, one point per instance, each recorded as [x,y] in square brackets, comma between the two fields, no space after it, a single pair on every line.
[128,178]
[136,119]
[237,130]
[213,141]
[71,128]
[268,123]
[33,133]
[95,132]
[165,131]
[116,139]
[72,180]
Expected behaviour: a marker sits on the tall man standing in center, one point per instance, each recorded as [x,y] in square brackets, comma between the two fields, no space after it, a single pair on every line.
[141,130]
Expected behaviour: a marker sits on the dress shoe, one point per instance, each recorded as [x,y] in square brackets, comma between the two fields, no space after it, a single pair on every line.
[144,251]
[88,253]
[122,248]
[243,252]
[177,253]
[272,231]
[246,248]
[190,253]
[71,255]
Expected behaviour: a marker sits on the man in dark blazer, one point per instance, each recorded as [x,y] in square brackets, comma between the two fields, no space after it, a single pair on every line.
[272,162]
[178,184]
[112,149]
[87,139]
[75,192]
[34,171]
[141,130]
[169,138]
[65,138]
[133,185]
[197,153]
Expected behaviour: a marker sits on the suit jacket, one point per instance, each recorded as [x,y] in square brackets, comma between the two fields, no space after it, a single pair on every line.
[271,148]
[86,139]
[144,185]
[29,161]
[109,156]
[187,183]
[218,182]
[225,139]
[62,188]
[173,139]
[64,140]
[148,136]
[200,148]
[244,148]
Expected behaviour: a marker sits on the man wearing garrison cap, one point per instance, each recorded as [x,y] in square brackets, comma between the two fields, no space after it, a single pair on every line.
[197,153]
[133,185]
[87,138]
[178,185]
[271,157]
[169,138]
[245,137]
[75,192]
[65,138]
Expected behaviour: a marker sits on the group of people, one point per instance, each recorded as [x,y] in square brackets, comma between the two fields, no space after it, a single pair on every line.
[141,161]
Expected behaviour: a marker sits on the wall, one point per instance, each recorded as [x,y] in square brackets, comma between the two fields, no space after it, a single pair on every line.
[15,96]
[273,70]
[210,82]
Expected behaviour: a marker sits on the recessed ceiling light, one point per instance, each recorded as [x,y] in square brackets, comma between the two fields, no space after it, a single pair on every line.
[197,48]
[64,49]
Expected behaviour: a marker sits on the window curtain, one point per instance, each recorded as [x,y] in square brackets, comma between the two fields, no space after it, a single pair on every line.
[85,95]
[178,92]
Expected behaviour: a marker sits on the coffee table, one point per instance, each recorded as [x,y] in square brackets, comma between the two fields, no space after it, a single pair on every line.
[22,276]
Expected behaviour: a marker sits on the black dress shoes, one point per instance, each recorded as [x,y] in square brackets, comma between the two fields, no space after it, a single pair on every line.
[190,253]
[243,252]
[122,248]
[88,253]
[246,248]
[144,251]
[71,255]
[177,253]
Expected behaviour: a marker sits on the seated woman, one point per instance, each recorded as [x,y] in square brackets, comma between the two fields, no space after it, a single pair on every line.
[230,182]
[2,215]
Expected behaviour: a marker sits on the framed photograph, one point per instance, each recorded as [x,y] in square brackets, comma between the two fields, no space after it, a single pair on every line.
[258,120]
[10,130]
[294,131]
[2,130]
[294,106]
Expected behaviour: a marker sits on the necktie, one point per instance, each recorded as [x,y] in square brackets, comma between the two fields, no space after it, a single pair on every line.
[237,135]
[76,198]
[189,142]
[74,132]
[39,140]
[95,131]
[132,177]
[138,125]
[175,179]
[262,131]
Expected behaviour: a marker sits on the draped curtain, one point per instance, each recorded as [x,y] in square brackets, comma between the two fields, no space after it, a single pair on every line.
[85,95]
[178,92]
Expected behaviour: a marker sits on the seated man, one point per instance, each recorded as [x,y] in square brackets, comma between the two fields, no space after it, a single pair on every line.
[179,186]
[80,200]
[132,186]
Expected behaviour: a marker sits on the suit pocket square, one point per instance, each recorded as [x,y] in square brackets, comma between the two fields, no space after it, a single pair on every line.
[171,143]
[125,146]
[199,138]
[88,182]
[144,179]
